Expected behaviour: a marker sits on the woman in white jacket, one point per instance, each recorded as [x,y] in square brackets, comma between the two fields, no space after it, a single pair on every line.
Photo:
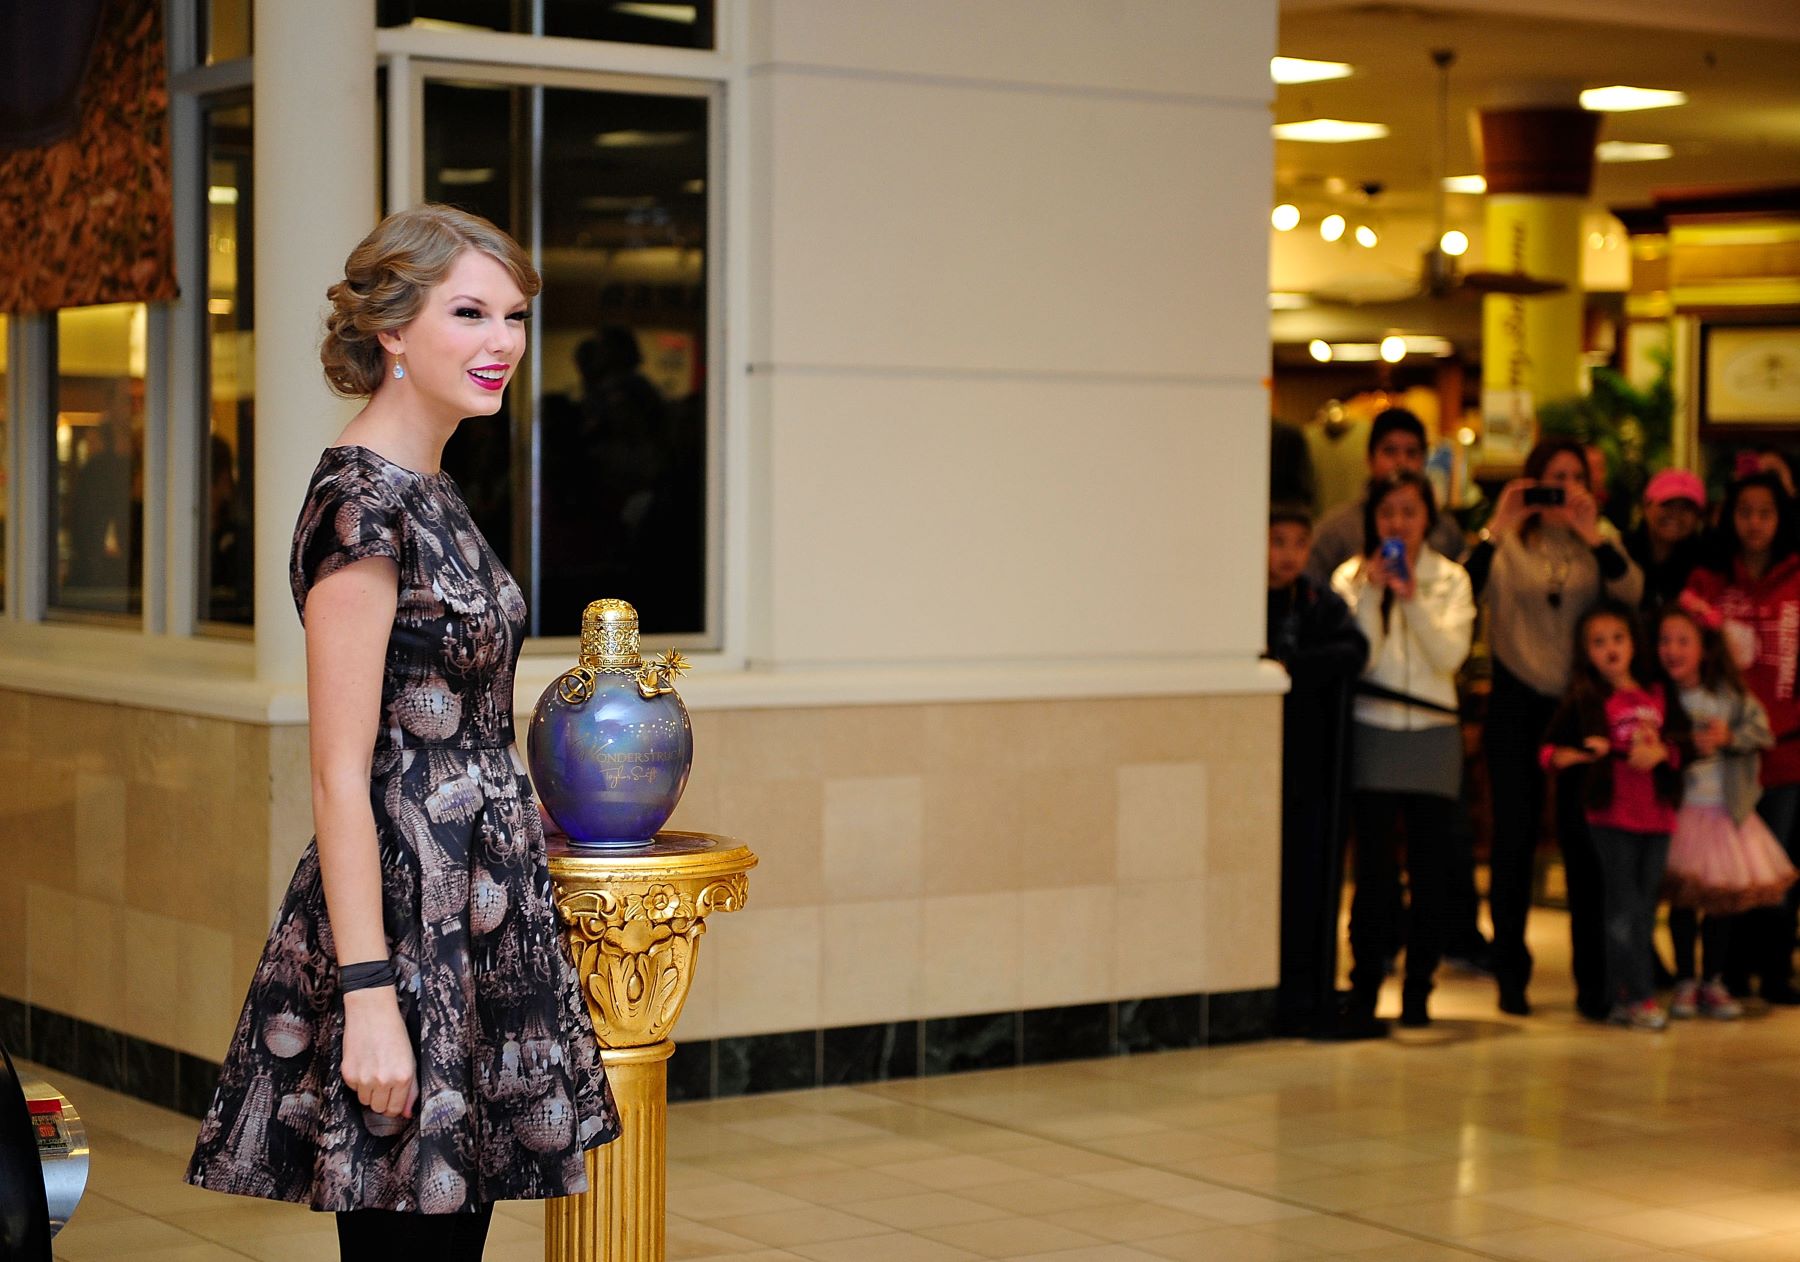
[1407,772]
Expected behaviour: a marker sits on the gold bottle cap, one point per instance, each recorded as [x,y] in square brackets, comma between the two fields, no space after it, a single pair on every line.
[609,636]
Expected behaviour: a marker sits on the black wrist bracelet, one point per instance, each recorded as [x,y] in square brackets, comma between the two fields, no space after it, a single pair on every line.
[365,976]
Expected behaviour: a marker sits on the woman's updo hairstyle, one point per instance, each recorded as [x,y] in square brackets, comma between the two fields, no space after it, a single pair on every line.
[387,277]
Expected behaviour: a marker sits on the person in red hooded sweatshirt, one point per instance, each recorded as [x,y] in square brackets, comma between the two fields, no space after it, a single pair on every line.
[1753,580]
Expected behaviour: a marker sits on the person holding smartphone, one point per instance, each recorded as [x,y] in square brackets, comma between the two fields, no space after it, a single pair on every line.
[1415,607]
[1545,558]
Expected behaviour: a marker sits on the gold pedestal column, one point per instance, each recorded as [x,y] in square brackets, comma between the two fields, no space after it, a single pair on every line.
[633,921]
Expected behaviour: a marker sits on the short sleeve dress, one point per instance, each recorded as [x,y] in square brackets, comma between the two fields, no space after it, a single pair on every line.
[511,1088]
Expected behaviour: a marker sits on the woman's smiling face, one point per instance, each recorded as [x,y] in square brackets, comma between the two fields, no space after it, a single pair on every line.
[466,342]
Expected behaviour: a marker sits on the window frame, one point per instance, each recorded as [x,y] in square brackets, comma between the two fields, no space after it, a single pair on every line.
[454,57]
[196,460]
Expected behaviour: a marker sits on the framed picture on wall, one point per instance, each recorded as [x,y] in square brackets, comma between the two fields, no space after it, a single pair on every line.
[1749,379]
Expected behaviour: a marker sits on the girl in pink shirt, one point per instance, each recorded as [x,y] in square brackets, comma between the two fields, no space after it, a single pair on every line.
[1627,728]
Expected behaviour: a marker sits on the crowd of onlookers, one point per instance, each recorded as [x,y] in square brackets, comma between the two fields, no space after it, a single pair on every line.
[1638,685]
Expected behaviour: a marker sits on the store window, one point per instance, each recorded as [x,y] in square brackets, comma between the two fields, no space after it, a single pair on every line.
[622,21]
[224,33]
[595,482]
[224,590]
[98,487]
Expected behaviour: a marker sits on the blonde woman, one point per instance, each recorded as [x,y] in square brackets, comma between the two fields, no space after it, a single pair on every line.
[414,1046]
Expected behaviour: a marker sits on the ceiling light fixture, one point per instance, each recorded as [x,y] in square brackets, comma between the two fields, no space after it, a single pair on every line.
[1305,70]
[634,138]
[1365,236]
[1329,131]
[1287,300]
[1332,227]
[1619,99]
[1428,346]
[686,14]
[1355,352]
[1319,350]
[1285,217]
[1393,349]
[1465,184]
[1454,243]
[1632,151]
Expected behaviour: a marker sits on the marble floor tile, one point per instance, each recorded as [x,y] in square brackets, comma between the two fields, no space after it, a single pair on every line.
[787,1228]
[1492,1138]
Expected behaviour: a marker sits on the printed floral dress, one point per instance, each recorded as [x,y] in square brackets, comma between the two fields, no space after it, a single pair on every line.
[511,1089]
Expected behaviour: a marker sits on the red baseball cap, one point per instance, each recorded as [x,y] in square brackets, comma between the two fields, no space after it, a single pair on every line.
[1675,484]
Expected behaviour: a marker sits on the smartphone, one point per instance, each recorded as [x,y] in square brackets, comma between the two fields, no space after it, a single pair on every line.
[1393,555]
[1544,497]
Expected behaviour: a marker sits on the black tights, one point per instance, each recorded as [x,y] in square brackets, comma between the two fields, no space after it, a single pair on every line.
[1715,943]
[383,1235]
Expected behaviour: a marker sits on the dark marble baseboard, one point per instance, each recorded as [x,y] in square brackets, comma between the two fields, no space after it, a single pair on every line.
[948,1045]
[716,1068]
[119,1062]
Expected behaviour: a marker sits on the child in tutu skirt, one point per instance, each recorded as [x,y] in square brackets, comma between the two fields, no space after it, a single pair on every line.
[1722,858]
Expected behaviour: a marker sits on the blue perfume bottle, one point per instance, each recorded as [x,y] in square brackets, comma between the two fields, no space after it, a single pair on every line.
[610,744]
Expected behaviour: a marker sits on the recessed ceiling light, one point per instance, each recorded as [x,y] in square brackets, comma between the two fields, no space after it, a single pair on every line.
[1454,243]
[1365,236]
[686,14]
[1356,352]
[1632,151]
[1618,99]
[1303,70]
[1332,227]
[633,138]
[1329,131]
[1428,346]
[1280,300]
[1465,184]
[1285,217]
[1393,349]
[1319,350]
[614,205]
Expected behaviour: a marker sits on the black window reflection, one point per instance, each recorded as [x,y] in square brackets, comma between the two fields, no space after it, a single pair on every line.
[226,588]
[676,25]
[619,399]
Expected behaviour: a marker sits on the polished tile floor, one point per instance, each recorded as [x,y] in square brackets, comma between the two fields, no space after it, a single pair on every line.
[1483,1137]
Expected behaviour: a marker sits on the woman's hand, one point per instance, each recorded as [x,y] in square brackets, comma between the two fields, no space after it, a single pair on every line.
[1377,573]
[1710,737]
[1592,750]
[378,1059]
[1581,511]
[1647,749]
[1740,642]
[1511,511]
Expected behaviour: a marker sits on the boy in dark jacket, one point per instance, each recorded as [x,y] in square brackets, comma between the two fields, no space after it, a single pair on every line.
[1312,633]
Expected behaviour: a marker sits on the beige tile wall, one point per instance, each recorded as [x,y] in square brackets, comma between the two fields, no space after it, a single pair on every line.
[134,848]
[969,858]
[923,860]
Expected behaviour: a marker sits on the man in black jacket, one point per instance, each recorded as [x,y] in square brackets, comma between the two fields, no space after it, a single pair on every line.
[1312,633]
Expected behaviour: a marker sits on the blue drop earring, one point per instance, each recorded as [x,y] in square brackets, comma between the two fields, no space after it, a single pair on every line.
[399,370]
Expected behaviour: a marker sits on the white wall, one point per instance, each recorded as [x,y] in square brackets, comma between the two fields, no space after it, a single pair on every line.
[1008,328]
